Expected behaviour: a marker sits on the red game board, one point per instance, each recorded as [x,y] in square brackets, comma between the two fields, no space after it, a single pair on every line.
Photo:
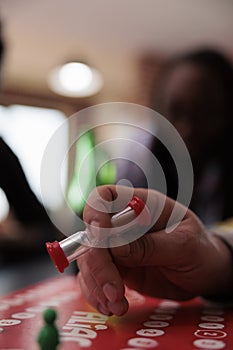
[149,324]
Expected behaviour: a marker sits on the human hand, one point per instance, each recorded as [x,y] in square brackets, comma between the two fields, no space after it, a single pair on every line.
[181,264]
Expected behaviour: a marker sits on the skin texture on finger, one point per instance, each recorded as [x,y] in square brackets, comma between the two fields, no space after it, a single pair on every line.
[92,294]
[158,248]
[101,281]
[199,264]
[96,210]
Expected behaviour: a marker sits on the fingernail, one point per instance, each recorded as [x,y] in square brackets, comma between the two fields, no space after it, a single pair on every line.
[103,310]
[110,292]
[118,308]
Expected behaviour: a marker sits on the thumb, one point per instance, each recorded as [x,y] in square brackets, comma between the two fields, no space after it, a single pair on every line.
[136,253]
[158,248]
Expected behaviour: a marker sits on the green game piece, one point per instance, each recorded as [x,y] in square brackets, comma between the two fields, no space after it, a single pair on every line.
[48,338]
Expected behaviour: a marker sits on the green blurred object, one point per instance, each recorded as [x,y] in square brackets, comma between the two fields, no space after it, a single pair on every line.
[48,338]
[92,168]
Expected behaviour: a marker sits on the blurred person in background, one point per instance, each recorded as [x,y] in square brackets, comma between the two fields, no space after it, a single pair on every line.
[27,226]
[195,93]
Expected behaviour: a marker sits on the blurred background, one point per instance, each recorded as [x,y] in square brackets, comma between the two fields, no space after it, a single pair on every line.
[125,42]
[122,39]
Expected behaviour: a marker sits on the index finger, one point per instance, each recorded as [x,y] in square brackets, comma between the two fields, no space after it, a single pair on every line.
[105,200]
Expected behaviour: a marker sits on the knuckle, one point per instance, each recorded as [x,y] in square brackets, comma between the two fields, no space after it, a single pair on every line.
[188,242]
[186,239]
[143,251]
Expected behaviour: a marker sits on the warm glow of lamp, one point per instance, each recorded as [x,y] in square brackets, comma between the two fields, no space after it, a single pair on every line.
[75,79]
[75,76]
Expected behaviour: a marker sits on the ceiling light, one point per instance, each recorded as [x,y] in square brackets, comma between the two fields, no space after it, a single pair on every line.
[75,79]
